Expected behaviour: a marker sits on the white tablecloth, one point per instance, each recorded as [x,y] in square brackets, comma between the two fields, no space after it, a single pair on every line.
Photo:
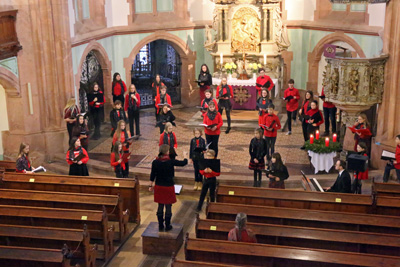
[250,82]
[322,162]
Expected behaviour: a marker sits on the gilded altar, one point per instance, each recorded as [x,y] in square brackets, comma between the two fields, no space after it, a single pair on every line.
[247,32]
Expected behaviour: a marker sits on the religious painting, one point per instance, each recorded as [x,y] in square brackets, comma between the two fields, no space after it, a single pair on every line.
[245,30]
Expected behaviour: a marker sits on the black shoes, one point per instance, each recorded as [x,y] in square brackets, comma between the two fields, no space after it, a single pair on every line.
[228,130]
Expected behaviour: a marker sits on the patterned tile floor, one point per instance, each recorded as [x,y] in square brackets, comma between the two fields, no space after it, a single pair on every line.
[233,147]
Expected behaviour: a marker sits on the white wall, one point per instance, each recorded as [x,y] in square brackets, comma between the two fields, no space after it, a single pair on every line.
[300,9]
[71,14]
[117,12]
[377,14]
[3,116]
[200,9]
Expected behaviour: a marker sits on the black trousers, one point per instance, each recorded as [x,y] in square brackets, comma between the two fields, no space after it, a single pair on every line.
[214,145]
[330,114]
[304,126]
[119,172]
[388,168]
[257,178]
[209,183]
[225,104]
[270,146]
[133,116]
[70,126]
[197,175]
[119,97]
[97,117]
[291,115]
[168,214]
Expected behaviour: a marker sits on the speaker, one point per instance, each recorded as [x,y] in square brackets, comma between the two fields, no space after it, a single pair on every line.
[356,162]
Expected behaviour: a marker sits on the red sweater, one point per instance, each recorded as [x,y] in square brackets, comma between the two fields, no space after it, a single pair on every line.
[312,112]
[115,163]
[127,101]
[292,104]
[268,119]
[158,88]
[206,106]
[326,103]
[262,80]
[224,91]
[158,101]
[209,175]
[217,120]
[162,139]
[122,139]
[117,90]
[84,160]
[397,165]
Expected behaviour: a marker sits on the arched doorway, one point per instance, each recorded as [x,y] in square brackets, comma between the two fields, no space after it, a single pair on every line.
[157,57]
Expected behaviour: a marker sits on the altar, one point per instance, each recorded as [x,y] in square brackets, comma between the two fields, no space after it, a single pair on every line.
[245,92]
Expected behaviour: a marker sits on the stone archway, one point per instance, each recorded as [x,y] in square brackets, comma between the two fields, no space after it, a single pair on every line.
[105,63]
[314,57]
[188,58]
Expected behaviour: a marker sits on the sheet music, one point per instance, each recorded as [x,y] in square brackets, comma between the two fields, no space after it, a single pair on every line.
[178,188]
[317,185]
[388,154]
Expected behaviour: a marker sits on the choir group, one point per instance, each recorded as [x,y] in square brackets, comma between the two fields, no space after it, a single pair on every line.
[263,158]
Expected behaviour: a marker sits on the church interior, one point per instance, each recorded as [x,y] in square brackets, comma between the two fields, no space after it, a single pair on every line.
[295,103]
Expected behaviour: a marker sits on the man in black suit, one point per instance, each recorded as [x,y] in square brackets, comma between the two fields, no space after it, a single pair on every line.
[343,181]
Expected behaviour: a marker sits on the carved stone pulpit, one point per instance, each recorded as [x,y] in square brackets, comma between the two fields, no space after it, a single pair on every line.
[354,84]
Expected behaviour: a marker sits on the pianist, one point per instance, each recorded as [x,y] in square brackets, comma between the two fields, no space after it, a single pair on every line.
[393,164]
[343,181]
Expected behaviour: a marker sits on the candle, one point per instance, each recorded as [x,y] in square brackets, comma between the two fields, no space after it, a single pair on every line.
[327,141]
[311,139]
[221,57]
[334,137]
[317,135]
[265,59]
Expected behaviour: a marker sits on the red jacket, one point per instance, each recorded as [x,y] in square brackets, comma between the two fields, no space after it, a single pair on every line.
[127,101]
[162,140]
[305,107]
[261,82]
[115,163]
[292,104]
[158,88]
[268,119]
[230,90]
[326,103]
[84,160]
[312,112]
[122,139]
[217,120]
[117,90]
[158,101]
[209,175]
[205,106]
[397,165]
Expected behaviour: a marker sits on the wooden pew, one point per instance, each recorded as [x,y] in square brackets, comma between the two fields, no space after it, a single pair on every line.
[313,238]
[64,200]
[45,237]
[8,165]
[387,205]
[183,263]
[22,256]
[128,189]
[240,253]
[96,221]
[306,218]
[386,189]
[295,199]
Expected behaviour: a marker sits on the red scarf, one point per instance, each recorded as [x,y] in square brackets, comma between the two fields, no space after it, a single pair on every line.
[163,158]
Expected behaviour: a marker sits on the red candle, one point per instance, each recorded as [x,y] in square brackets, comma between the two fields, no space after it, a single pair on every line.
[327,141]
[334,137]
[317,134]
[311,139]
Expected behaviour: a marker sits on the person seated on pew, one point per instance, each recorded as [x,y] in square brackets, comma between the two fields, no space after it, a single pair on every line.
[357,183]
[163,172]
[393,164]
[77,157]
[278,172]
[23,165]
[343,181]
[240,233]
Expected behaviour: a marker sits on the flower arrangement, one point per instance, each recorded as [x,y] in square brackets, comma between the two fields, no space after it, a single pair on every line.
[319,146]
[254,67]
[229,67]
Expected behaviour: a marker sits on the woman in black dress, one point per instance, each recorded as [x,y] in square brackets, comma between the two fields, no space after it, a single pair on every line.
[204,80]
[278,172]
[77,158]
[162,172]
[96,107]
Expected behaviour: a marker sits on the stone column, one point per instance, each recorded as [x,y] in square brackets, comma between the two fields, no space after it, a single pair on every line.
[226,24]
[264,37]
[220,25]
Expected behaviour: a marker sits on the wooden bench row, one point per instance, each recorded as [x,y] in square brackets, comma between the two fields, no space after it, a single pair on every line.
[386,189]
[309,200]
[246,254]
[8,165]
